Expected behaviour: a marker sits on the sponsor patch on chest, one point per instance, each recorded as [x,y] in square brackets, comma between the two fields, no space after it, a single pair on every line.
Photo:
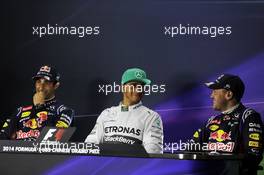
[122,129]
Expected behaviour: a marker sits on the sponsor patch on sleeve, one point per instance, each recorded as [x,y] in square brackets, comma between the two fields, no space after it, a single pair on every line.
[61,124]
[254,136]
[253,144]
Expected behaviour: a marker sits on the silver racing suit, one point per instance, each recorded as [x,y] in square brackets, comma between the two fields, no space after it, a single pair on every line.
[132,125]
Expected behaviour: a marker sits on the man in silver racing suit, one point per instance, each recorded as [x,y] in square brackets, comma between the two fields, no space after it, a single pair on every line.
[130,122]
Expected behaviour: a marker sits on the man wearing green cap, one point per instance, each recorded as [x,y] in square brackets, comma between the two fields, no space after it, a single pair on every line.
[130,122]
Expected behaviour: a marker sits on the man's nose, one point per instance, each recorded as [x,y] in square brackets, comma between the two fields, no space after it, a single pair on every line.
[41,86]
[212,95]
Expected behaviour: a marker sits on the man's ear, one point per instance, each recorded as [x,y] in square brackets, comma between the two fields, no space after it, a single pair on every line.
[229,95]
[57,85]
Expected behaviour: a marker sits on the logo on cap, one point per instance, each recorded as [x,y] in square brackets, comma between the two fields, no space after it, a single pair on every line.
[227,86]
[138,74]
[219,78]
[45,69]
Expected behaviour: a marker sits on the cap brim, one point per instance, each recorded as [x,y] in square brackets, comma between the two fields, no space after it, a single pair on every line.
[147,81]
[213,85]
[41,76]
[144,81]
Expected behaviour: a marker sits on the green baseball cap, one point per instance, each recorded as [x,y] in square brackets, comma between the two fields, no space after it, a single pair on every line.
[135,74]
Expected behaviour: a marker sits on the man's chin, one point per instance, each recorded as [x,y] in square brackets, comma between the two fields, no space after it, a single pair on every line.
[216,108]
[136,100]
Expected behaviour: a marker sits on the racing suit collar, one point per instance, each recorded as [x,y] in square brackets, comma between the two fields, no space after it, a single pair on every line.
[47,103]
[50,101]
[230,110]
[129,108]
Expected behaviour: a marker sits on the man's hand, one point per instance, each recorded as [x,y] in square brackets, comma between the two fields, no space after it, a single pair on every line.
[39,98]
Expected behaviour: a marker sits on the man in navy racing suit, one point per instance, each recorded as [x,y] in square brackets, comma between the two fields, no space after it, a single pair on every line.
[28,120]
[237,129]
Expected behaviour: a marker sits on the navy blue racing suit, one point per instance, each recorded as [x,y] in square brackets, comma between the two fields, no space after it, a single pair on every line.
[27,121]
[237,131]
